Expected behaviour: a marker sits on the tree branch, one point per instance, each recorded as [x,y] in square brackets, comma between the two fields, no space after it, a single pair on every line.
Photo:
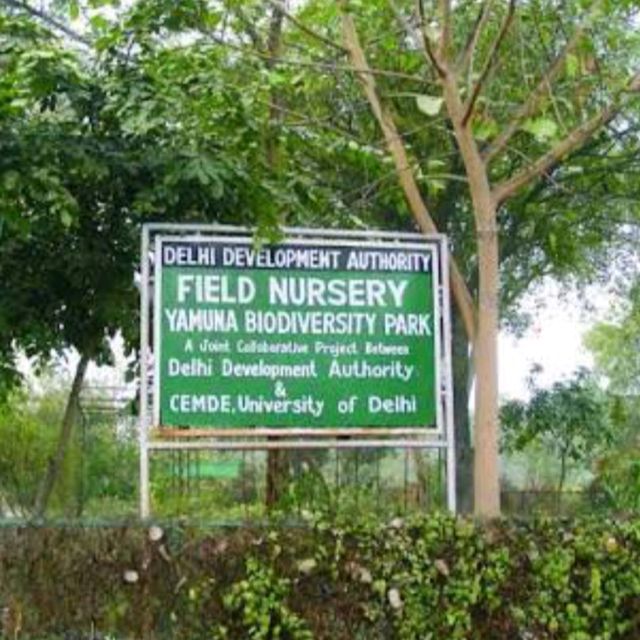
[405,175]
[531,104]
[468,52]
[570,143]
[280,6]
[489,64]
[445,36]
[426,44]
[49,20]
[320,66]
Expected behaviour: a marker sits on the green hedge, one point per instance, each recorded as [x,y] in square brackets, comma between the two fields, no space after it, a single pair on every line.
[432,577]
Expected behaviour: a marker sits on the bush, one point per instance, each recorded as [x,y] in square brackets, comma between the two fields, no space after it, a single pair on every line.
[28,434]
[430,577]
[98,476]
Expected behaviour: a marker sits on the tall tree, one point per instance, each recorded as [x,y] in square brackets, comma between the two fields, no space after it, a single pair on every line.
[458,87]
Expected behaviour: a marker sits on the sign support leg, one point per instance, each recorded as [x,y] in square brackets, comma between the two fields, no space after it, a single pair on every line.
[448,382]
[144,506]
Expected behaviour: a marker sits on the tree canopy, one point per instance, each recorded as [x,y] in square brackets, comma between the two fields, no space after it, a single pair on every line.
[512,127]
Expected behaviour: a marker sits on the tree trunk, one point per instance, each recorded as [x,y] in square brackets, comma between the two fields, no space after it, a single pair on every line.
[485,348]
[484,328]
[277,459]
[563,473]
[422,477]
[486,472]
[277,476]
[464,451]
[55,463]
[274,42]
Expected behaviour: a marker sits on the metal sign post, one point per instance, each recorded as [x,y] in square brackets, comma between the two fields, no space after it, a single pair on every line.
[325,335]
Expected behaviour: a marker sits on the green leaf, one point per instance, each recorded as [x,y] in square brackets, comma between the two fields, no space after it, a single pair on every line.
[74,9]
[484,129]
[99,23]
[429,105]
[10,179]
[65,218]
[573,65]
[435,164]
[542,129]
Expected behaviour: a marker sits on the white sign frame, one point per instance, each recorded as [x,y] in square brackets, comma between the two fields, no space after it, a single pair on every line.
[235,439]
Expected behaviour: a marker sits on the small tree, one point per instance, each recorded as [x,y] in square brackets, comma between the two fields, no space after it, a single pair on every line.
[571,418]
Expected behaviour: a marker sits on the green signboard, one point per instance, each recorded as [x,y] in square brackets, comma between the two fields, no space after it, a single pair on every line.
[306,333]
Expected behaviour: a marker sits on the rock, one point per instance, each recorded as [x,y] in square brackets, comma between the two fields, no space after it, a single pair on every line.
[307,566]
[394,599]
[155,533]
[442,567]
[131,576]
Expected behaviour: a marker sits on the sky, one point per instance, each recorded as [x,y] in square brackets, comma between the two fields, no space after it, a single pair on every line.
[555,339]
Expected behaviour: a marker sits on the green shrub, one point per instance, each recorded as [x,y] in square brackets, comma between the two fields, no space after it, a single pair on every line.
[430,577]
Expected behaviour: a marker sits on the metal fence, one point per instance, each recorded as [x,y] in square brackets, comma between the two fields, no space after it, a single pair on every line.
[234,485]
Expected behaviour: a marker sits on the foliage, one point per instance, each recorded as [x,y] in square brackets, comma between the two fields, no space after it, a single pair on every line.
[534,468]
[190,90]
[571,418]
[616,347]
[99,474]
[434,577]
[27,431]
[89,151]
[618,479]
[108,464]
[258,601]
[555,227]
[617,473]
[168,115]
